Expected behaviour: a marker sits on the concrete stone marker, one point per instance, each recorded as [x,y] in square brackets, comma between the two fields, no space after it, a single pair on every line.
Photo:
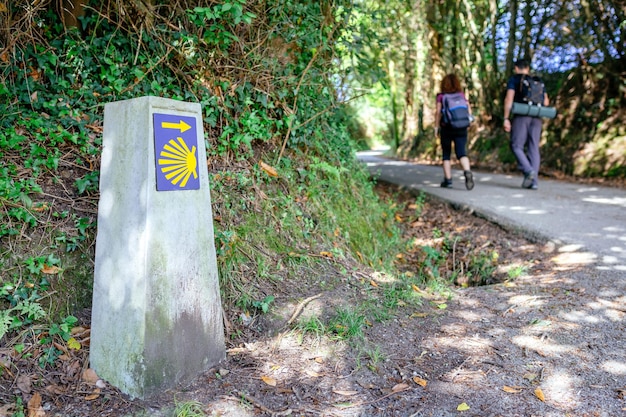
[157,313]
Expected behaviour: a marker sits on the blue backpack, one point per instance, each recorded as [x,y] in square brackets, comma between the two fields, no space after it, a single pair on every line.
[455,111]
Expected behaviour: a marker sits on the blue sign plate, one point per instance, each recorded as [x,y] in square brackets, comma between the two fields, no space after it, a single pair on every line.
[176,152]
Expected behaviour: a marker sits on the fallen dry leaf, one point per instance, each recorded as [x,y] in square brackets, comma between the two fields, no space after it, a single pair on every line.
[7,410]
[91,397]
[400,387]
[345,393]
[50,269]
[90,376]
[312,373]
[269,381]
[539,394]
[60,347]
[54,390]
[78,330]
[420,381]
[24,384]
[269,170]
[5,363]
[95,128]
[34,406]
[40,208]
[511,390]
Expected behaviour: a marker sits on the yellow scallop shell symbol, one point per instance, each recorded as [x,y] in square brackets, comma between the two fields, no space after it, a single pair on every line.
[178,162]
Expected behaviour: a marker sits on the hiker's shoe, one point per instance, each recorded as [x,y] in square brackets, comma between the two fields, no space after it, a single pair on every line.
[528,179]
[446,183]
[534,187]
[469,179]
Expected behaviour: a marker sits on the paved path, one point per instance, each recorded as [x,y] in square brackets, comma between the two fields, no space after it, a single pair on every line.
[586,222]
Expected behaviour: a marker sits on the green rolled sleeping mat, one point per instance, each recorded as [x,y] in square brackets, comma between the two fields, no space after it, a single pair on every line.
[522,109]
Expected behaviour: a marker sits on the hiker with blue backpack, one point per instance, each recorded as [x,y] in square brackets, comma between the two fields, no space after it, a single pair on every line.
[528,102]
[452,118]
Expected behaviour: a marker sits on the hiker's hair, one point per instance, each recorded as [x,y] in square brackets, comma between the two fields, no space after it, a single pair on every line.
[522,64]
[450,84]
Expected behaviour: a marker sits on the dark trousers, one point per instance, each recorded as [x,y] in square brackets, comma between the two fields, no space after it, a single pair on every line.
[525,138]
[459,137]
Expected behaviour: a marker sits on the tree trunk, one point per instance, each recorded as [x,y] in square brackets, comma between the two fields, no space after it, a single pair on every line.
[393,87]
[510,50]
[494,13]
[410,119]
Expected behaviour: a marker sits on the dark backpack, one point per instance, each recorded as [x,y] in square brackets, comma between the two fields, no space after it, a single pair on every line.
[530,91]
[455,111]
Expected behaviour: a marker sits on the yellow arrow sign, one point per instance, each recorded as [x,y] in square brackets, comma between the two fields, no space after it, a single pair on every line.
[182,126]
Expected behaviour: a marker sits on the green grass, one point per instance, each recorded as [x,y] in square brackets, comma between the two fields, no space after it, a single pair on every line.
[348,323]
[189,409]
[375,357]
[517,271]
[310,326]
[302,219]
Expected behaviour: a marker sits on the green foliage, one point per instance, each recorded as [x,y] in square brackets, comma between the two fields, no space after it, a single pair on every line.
[420,201]
[375,356]
[21,310]
[216,22]
[482,266]
[317,216]
[23,314]
[20,409]
[63,329]
[400,293]
[278,103]
[189,409]
[346,324]
[20,301]
[311,325]
[263,305]
[81,234]
[517,271]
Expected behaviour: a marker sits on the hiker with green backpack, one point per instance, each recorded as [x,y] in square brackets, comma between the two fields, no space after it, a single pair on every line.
[453,116]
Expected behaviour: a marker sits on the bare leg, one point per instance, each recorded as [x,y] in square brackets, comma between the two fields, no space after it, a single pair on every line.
[447,169]
[465,163]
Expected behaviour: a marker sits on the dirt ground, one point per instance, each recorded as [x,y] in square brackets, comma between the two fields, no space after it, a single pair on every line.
[549,342]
